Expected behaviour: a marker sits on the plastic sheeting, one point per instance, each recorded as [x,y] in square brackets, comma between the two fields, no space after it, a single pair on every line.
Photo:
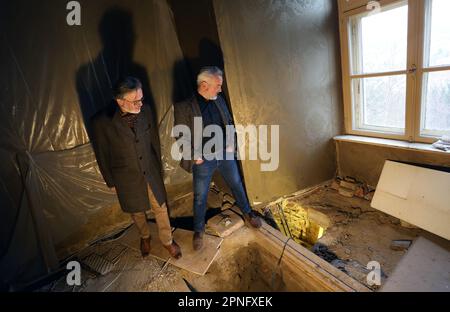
[281,62]
[54,77]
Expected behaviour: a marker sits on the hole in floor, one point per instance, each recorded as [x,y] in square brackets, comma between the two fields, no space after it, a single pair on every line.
[304,225]
[247,270]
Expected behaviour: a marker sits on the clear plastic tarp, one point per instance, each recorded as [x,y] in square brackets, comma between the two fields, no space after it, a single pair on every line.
[54,77]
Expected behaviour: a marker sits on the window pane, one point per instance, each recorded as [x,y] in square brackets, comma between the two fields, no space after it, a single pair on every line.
[436,103]
[381,104]
[380,41]
[439,45]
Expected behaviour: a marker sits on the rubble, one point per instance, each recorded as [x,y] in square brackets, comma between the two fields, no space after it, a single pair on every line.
[407,225]
[350,187]
[224,224]
[400,245]
[305,226]
[346,192]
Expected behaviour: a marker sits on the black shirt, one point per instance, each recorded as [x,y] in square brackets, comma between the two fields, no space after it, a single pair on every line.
[211,116]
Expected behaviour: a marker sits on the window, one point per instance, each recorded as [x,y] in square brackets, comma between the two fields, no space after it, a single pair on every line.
[396,69]
[435,97]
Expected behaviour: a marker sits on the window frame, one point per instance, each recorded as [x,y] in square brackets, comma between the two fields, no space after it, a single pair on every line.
[414,69]
[423,31]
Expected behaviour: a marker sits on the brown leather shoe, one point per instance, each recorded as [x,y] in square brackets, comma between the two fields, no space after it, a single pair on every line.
[197,241]
[253,219]
[145,247]
[174,250]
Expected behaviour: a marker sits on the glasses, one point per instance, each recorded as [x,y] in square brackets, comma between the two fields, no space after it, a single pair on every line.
[135,102]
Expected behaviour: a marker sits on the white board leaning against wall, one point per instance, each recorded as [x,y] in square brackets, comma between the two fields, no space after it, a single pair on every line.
[416,195]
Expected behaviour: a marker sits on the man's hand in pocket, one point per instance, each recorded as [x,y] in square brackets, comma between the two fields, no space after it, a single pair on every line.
[199,161]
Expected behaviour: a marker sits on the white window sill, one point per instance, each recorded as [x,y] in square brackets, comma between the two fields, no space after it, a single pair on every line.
[422,147]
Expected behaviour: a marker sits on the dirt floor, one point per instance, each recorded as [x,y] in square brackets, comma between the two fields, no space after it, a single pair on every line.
[358,234]
[235,269]
[355,235]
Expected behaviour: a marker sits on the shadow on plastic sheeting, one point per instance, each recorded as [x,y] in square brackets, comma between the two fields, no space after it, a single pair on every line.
[95,79]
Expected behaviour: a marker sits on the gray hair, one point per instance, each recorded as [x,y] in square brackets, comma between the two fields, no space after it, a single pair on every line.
[207,73]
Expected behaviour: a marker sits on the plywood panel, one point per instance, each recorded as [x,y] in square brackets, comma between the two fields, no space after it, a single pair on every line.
[195,262]
[426,267]
[416,195]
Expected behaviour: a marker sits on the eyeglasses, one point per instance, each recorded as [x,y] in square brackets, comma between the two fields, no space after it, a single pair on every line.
[135,102]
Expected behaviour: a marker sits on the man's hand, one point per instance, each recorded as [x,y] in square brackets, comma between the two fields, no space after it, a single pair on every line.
[199,161]
[230,149]
[113,189]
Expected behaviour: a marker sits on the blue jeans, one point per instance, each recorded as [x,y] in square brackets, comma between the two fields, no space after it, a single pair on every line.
[202,178]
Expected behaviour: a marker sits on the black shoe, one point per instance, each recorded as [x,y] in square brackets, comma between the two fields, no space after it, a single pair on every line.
[197,241]
[253,219]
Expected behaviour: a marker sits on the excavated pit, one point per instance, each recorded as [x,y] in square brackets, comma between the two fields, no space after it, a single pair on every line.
[304,225]
[266,261]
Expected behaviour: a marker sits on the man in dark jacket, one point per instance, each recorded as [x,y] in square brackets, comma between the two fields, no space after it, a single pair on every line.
[126,144]
[208,105]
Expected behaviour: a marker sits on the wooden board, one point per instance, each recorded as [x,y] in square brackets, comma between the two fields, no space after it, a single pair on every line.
[425,268]
[195,262]
[304,271]
[416,195]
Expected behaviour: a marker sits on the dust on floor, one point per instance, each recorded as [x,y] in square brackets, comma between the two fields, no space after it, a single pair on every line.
[357,234]
[235,269]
